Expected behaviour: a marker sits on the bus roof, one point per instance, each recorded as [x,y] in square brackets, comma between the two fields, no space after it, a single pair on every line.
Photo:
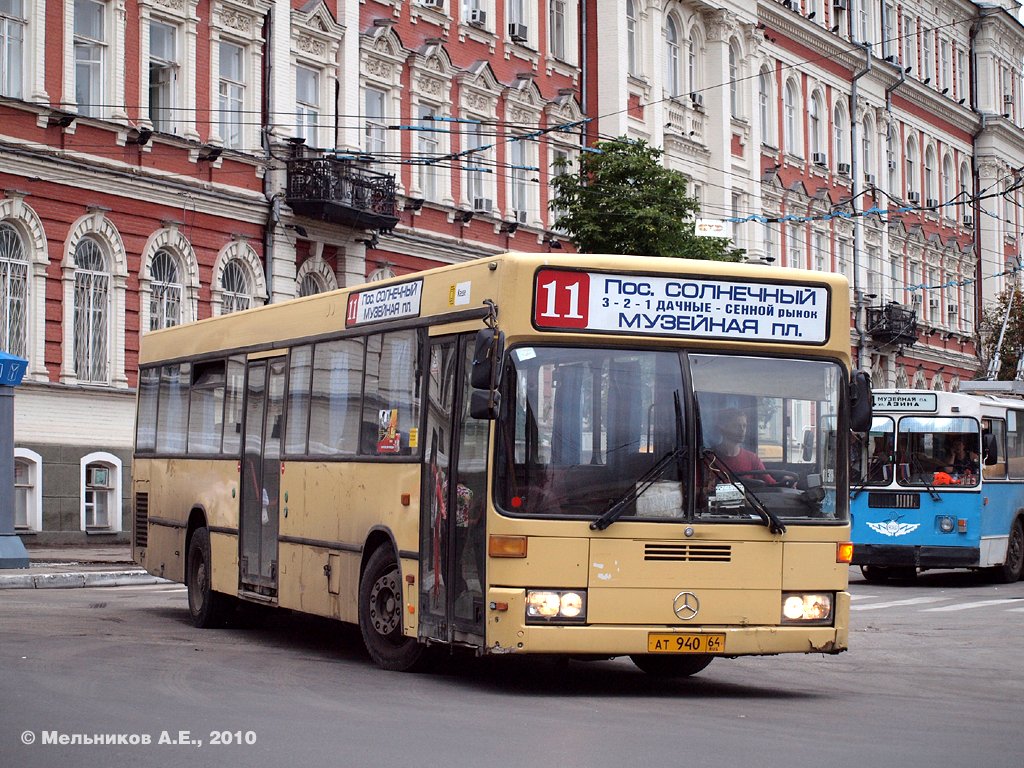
[457,290]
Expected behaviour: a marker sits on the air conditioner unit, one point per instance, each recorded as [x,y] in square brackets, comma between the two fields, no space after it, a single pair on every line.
[478,17]
[914,197]
[482,204]
[97,477]
[697,99]
[839,5]
[952,309]
[518,32]
[892,165]
[869,179]
[968,220]
[933,303]
[432,3]
[843,169]
[931,202]
[915,299]
[1008,98]
[819,158]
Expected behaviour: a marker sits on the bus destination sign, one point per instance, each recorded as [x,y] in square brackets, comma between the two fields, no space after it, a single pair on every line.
[681,306]
[391,302]
[924,402]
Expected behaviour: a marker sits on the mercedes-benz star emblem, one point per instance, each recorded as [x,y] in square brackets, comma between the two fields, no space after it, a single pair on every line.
[686,605]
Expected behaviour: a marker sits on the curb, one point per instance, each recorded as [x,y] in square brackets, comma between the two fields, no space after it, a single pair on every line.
[72,580]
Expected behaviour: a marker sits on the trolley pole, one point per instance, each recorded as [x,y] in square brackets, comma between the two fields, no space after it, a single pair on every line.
[12,550]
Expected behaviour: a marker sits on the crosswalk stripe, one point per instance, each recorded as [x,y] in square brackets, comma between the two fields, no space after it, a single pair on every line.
[978,604]
[862,597]
[896,603]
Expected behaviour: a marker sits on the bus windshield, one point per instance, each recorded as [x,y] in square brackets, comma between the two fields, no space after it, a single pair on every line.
[937,450]
[588,429]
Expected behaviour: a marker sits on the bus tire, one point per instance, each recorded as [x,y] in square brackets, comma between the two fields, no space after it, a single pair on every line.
[669,666]
[874,574]
[380,615]
[1010,571]
[207,608]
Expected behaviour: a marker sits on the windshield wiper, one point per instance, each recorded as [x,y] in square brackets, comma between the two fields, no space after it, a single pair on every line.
[648,478]
[775,525]
[877,462]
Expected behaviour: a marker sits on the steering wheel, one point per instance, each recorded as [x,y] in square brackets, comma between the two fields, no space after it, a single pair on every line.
[780,476]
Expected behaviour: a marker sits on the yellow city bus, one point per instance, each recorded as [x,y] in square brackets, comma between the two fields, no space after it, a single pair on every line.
[592,456]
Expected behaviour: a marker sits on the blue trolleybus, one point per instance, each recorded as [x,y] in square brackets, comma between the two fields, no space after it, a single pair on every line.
[941,482]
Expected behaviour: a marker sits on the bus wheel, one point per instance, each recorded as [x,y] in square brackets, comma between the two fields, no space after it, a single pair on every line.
[208,608]
[1010,571]
[671,666]
[380,615]
[875,574]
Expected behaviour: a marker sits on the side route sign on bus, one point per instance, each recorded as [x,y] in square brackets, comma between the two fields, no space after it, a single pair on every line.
[681,306]
[392,302]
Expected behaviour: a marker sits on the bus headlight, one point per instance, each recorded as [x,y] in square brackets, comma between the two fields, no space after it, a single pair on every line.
[946,523]
[810,608]
[548,605]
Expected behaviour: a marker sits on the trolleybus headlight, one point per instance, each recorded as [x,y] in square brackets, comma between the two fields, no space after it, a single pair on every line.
[946,524]
[812,608]
[546,605]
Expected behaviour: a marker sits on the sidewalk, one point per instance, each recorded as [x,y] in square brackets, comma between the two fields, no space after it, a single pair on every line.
[67,567]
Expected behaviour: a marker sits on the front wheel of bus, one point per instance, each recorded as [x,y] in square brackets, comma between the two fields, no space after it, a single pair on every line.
[671,666]
[380,615]
[207,608]
[1010,571]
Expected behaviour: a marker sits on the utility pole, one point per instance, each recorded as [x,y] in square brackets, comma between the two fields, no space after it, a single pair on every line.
[12,550]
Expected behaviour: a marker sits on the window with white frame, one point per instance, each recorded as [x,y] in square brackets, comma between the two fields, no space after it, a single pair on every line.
[557,28]
[768,241]
[515,11]
[930,186]
[672,74]
[948,185]
[520,167]
[764,109]
[12,47]
[890,30]
[101,493]
[374,127]
[631,42]
[236,287]
[13,291]
[231,94]
[560,165]
[28,507]
[427,150]
[861,21]
[873,284]
[965,190]
[166,291]
[841,132]
[895,284]
[307,105]
[928,70]
[867,146]
[90,46]
[815,128]
[693,58]
[961,74]
[311,284]
[163,76]
[945,65]
[909,41]
[477,13]
[737,214]
[92,312]
[820,252]
[790,110]
[735,105]
[475,164]
[794,247]
[910,163]
[934,296]
[892,160]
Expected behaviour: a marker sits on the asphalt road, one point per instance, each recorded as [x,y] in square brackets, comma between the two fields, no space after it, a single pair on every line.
[933,679]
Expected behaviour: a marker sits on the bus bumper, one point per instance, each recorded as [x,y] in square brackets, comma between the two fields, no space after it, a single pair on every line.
[507,635]
[918,557]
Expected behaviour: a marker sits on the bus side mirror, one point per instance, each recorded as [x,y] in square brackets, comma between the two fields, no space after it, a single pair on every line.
[860,402]
[485,373]
[808,445]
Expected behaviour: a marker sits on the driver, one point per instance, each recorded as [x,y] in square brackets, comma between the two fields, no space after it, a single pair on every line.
[732,425]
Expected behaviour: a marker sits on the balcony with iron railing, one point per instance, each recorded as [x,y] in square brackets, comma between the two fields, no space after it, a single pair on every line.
[341,191]
[892,324]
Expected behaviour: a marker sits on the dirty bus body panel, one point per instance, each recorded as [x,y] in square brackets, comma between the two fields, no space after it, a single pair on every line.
[524,454]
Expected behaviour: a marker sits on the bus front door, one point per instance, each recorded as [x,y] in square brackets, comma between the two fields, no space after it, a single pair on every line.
[452,510]
[261,476]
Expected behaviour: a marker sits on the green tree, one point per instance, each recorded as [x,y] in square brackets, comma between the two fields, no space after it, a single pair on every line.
[622,200]
[1013,338]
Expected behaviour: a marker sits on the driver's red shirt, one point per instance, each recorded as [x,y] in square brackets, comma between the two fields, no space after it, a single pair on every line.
[746,461]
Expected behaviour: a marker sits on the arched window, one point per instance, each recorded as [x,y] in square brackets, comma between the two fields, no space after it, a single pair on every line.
[930,185]
[790,107]
[672,84]
[693,62]
[101,492]
[892,160]
[840,129]
[311,284]
[166,291]
[236,286]
[814,110]
[28,492]
[381,273]
[965,190]
[868,146]
[13,291]
[948,187]
[631,47]
[734,82]
[910,164]
[764,109]
[92,310]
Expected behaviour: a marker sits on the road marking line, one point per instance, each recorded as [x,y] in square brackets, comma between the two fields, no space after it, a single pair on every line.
[896,603]
[862,597]
[978,604]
